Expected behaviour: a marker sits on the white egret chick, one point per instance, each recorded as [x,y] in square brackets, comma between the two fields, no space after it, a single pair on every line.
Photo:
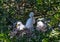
[20,26]
[40,25]
[30,21]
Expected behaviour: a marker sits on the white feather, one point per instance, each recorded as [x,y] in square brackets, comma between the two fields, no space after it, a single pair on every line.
[20,26]
[41,26]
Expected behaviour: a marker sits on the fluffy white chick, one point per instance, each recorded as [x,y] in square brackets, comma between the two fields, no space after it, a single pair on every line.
[30,21]
[40,25]
[20,26]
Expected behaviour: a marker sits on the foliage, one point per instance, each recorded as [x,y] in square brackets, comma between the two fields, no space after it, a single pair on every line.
[13,10]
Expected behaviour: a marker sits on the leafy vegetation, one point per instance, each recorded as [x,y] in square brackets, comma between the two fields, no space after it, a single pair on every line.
[17,10]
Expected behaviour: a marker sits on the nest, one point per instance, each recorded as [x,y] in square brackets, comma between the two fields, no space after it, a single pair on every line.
[20,33]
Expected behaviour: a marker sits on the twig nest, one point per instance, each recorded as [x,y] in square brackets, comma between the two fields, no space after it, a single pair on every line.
[26,32]
[12,33]
[20,33]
